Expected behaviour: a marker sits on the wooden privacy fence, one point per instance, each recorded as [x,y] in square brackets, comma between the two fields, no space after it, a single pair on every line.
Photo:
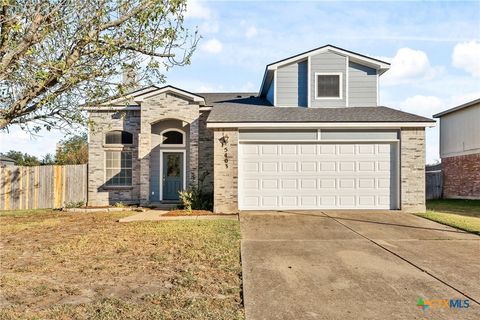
[42,186]
[433,184]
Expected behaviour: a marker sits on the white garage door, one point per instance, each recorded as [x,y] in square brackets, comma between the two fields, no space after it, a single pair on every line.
[276,176]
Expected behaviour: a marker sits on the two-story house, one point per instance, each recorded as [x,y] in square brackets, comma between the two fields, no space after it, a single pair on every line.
[460,150]
[313,137]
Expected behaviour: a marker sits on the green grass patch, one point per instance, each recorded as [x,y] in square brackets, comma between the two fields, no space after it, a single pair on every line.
[58,265]
[455,206]
[467,223]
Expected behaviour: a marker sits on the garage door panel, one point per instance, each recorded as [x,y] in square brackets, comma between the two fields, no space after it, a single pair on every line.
[288,149]
[327,149]
[317,176]
[269,149]
[347,149]
[347,166]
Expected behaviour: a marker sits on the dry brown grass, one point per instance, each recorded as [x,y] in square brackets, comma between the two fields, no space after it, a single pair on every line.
[74,266]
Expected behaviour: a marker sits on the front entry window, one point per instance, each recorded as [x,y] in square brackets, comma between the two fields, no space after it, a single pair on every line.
[173,165]
[172,137]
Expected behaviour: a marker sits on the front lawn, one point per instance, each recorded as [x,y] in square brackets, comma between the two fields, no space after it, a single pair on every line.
[56,265]
[455,206]
[461,214]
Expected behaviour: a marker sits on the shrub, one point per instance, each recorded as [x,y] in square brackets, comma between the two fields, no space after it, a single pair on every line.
[74,204]
[194,198]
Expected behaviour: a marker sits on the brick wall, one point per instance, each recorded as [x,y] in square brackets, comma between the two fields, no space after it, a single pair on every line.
[205,152]
[161,107]
[461,176]
[412,169]
[156,108]
[225,196]
[103,122]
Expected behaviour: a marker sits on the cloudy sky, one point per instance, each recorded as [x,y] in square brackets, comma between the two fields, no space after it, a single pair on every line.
[434,48]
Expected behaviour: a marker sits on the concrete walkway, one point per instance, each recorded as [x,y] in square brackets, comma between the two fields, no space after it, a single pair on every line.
[158,215]
[355,265]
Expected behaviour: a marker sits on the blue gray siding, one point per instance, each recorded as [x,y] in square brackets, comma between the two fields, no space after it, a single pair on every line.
[327,62]
[292,85]
[303,84]
[271,92]
[362,86]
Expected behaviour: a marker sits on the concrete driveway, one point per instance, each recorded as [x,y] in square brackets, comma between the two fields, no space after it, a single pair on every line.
[355,265]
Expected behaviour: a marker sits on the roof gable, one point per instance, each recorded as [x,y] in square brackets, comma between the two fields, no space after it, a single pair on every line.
[358,58]
[454,109]
[171,89]
[132,100]
[354,57]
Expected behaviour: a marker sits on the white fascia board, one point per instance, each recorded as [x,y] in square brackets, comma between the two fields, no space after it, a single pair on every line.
[193,97]
[353,57]
[286,125]
[112,108]
[129,96]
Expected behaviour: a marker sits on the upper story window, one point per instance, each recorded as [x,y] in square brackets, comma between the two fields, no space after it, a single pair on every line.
[328,86]
[173,137]
[118,137]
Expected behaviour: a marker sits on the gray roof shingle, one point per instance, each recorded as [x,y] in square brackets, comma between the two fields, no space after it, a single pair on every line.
[233,98]
[233,112]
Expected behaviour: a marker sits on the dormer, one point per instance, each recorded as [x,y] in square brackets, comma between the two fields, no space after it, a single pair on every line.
[323,77]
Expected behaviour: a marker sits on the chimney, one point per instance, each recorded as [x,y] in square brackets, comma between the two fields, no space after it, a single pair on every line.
[130,80]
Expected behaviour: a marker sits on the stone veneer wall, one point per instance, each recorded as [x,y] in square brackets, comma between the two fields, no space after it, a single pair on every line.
[225,178]
[160,107]
[205,152]
[412,169]
[104,121]
[461,176]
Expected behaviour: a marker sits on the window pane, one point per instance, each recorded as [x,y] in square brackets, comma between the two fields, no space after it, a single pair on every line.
[172,137]
[328,86]
[113,137]
[358,134]
[118,169]
[272,135]
[118,137]
[173,165]
[127,137]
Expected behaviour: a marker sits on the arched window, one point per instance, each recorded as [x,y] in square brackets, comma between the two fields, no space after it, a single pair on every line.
[172,137]
[118,137]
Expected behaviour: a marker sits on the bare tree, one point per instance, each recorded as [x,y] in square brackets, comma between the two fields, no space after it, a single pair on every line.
[56,55]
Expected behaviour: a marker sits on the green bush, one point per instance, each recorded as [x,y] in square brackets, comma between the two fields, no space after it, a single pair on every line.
[74,204]
[194,198]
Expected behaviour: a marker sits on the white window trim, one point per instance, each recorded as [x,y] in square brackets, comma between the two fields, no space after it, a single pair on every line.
[173,145]
[113,186]
[160,195]
[340,83]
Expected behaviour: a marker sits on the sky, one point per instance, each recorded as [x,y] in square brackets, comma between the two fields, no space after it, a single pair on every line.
[433,48]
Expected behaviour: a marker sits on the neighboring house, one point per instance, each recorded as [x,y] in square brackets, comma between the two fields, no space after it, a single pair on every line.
[460,150]
[6,161]
[312,138]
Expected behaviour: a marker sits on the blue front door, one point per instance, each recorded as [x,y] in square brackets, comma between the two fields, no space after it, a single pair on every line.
[172,175]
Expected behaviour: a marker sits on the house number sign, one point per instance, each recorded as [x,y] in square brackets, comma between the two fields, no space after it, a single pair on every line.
[224,142]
